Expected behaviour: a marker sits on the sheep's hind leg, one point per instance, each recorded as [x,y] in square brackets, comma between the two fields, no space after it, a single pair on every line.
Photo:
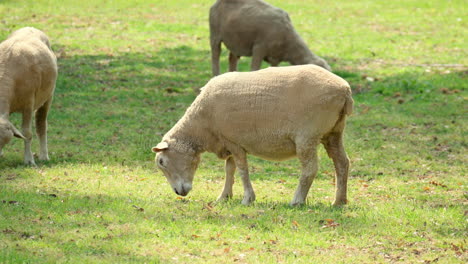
[333,143]
[307,154]
[26,127]
[233,59]
[242,165]
[230,169]
[41,129]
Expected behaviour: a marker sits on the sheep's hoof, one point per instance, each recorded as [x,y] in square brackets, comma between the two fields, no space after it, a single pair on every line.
[296,203]
[340,202]
[44,158]
[30,163]
[297,200]
[224,197]
[248,200]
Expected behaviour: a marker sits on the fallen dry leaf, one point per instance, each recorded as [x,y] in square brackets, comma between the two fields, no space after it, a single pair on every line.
[365,109]
[329,223]
[438,184]
[138,208]
[271,241]
[10,202]
[74,212]
[445,90]
[218,235]
[208,207]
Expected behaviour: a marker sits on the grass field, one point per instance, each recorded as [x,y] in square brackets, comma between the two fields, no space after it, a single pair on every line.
[127,72]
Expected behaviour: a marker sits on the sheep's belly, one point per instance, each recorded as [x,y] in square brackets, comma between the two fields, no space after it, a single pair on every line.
[274,149]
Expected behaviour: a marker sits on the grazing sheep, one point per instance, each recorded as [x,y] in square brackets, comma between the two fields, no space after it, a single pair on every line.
[28,71]
[258,29]
[275,113]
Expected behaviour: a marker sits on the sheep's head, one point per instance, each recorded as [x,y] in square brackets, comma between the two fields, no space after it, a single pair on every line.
[7,131]
[300,54]
[178,165]
[322,63]
[314,59]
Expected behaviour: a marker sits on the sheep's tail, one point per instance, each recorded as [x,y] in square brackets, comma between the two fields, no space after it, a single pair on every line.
[349,102]
[345,111]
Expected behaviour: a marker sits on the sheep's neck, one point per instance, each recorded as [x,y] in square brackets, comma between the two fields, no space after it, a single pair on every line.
[4,107]
[5,93]
[188,134]
[298,52]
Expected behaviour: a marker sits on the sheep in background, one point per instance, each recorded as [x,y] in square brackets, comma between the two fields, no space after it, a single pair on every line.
[275,113]
[28,71]
[258,29]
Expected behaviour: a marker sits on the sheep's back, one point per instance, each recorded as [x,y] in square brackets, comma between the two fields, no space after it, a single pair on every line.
[31,66]
[240,24]
[266,111]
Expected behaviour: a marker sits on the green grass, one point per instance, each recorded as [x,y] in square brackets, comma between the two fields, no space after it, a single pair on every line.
[127,73]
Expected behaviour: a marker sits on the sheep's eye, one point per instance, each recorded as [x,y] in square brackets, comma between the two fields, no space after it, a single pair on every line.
[161,162]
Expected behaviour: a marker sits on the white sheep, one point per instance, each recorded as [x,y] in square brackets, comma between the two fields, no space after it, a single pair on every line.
[258,29]
[275,113]
[28,72]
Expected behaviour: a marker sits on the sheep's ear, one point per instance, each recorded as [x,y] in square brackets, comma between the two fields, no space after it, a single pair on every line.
[160,147]
[16,132]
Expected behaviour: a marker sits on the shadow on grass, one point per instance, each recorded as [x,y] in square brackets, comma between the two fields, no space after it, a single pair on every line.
[92,225]
[114,108]
[171,70]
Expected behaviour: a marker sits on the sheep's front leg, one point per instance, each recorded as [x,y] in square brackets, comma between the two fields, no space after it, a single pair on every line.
[307,155]
[335,149]
[27,133]
[258,53]
[230,169]
[41,129]
[242,165]
[215,53]
[233,59]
